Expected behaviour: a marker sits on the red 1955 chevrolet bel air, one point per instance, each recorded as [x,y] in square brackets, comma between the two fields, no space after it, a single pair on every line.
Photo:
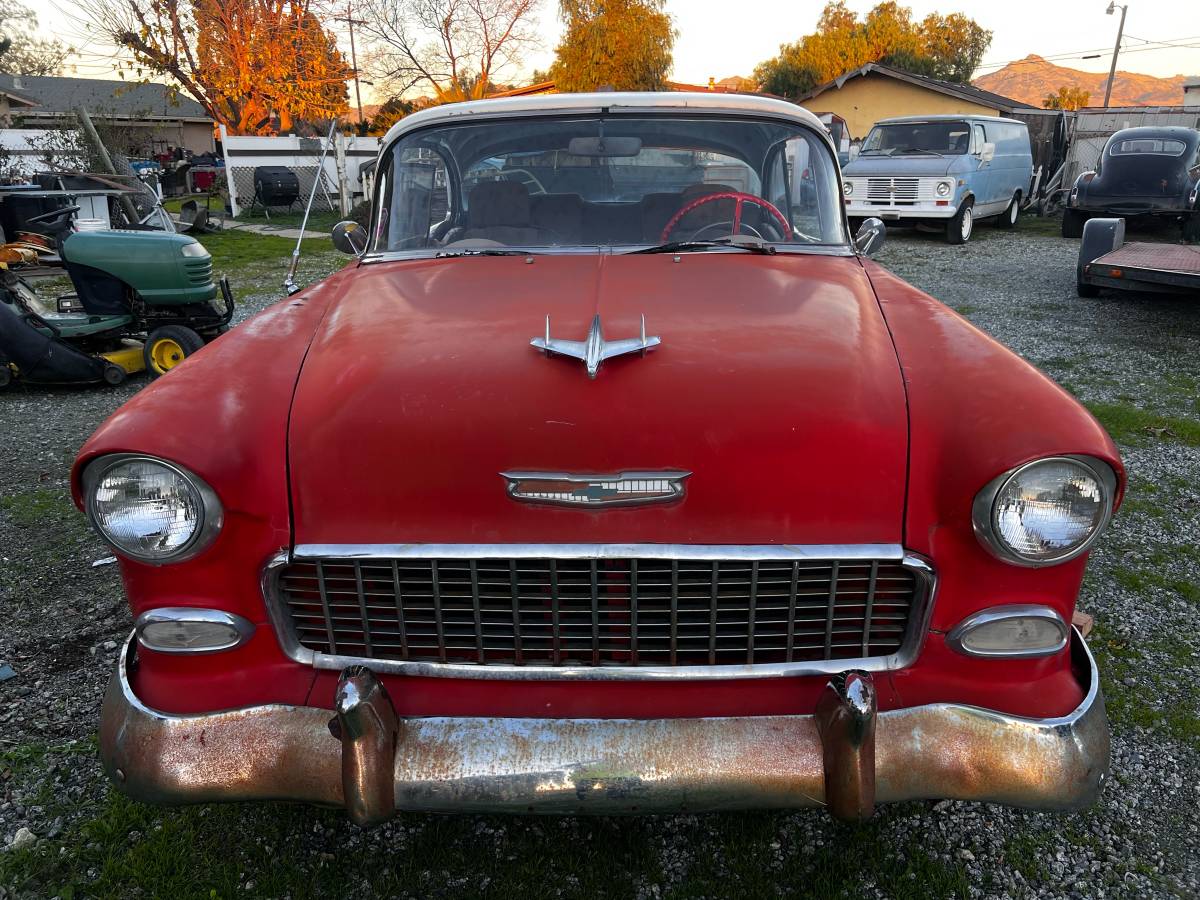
[611,476]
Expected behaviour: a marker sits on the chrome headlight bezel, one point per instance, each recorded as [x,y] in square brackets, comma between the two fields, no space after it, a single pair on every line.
[211,512]
[944,188]
[847,188]
[983,510]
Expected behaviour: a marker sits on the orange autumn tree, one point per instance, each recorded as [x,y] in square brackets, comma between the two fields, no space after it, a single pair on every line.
[249,63]
[949,47]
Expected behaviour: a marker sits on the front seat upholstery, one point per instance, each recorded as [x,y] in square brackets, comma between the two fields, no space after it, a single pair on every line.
[500,211]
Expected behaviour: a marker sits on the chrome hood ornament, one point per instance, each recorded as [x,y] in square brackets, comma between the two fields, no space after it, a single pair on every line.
[621,489]
[595,350]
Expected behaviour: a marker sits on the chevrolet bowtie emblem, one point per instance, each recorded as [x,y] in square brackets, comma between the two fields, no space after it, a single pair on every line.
[571,489]
[595,350]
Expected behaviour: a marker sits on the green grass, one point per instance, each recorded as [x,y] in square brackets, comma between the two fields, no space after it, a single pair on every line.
[33,508]
[1140,703]
[1129,424]
[215,851]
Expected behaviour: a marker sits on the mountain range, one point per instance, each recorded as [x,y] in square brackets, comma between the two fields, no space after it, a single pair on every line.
[1032,78]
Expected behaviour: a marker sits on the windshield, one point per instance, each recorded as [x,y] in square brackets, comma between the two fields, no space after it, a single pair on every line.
[940,138]
[607,181]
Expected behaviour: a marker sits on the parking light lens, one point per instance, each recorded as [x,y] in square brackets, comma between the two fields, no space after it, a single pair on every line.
[1010,631]
[150,510]
[1045,512]
[188,630]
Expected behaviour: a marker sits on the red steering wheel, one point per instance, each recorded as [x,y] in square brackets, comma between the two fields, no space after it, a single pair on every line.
[739,200]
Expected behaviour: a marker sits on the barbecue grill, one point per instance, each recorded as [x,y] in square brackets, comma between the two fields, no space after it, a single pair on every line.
[276,185]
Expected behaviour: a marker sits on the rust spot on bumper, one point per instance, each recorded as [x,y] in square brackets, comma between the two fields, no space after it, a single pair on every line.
[603,765]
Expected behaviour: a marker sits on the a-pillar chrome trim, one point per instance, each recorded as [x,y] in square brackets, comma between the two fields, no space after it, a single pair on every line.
[906,655]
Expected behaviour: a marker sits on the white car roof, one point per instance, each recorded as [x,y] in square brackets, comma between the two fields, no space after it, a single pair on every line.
[948,117]
[660,102]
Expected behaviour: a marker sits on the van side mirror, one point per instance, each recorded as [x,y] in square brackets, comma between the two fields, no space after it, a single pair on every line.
[350,237]
[869,239]
[988,152]
[855,150]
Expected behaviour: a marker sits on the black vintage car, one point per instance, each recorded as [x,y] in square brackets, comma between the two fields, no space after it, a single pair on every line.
[1142,172]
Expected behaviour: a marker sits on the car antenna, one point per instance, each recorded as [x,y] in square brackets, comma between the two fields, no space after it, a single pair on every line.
[289,283]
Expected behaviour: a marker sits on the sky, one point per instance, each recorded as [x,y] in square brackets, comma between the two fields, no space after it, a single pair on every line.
[720,38]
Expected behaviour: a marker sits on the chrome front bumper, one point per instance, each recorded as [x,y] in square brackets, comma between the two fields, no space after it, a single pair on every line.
[846,756]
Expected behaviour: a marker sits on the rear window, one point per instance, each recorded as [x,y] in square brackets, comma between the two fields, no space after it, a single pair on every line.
[1155,146]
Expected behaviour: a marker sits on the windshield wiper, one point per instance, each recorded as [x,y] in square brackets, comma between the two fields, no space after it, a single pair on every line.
[920,150]
[745,242]
[480,251]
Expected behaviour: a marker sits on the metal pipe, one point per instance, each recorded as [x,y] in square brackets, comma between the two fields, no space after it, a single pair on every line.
[289,283]
[1112,70]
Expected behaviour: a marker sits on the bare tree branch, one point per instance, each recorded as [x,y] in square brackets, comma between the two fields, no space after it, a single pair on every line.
[454,49]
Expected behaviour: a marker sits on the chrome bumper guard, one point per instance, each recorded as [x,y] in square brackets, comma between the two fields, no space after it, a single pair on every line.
[847,757]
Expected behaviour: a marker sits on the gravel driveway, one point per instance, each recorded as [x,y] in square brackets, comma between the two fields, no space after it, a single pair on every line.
[1135,361]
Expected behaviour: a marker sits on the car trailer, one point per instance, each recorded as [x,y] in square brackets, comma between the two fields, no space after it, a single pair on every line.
[1106,261]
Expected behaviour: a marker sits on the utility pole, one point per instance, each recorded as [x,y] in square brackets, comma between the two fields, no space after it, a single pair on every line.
[1112,71]
[351,22]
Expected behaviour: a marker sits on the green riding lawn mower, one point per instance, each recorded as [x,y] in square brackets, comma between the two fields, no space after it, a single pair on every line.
[144,300]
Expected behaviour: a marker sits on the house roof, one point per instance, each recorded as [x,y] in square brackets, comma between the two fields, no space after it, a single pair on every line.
[56,95]
[949,88]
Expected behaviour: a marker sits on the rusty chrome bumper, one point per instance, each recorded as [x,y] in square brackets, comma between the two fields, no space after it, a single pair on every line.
[847,756]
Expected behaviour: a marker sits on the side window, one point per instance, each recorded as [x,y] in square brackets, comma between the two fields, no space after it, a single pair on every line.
[416,198]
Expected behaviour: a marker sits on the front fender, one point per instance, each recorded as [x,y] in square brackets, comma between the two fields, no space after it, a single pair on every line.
[976,410]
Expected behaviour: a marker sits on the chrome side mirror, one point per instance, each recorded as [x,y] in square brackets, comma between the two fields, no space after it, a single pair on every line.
[988,153]
[869,239]
[350,237]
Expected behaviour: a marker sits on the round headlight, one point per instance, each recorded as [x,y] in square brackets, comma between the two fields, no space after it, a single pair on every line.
[848,188]
[1045,512]
[944,188]
[194,250]
[150,510]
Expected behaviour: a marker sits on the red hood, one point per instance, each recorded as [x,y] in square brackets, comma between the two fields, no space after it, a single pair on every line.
[776,385]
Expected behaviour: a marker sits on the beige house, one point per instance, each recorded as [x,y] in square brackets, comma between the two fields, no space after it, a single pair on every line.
[872,92]
[150,118]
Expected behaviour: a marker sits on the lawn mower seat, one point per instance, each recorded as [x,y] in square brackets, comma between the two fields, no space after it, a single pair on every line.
[100,294]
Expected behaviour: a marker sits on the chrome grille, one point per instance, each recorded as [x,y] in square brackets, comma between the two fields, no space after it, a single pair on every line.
[893,188]
[630,612]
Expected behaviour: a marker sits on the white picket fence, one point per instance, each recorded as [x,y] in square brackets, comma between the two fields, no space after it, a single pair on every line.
[340,185]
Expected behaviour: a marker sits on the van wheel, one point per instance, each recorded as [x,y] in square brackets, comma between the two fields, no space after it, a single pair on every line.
[168,346]
[1191,228]
[958,229]
[1072,224]
[1010,216]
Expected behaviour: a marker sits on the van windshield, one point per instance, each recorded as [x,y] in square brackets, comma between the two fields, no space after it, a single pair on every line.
[903,138]
[607,180]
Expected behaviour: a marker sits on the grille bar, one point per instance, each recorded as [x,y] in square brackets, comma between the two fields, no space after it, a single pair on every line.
[634,612]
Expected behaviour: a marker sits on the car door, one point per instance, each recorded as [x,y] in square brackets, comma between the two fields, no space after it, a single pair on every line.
[984,182]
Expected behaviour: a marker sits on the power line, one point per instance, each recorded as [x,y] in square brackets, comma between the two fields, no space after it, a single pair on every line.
[1079,54]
